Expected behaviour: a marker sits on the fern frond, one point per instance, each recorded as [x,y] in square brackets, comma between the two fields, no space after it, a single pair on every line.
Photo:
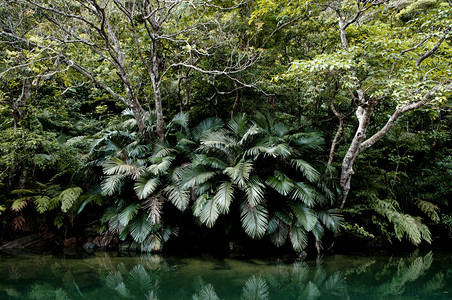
[20,204]
[68,197]
[429,209]
[42,203]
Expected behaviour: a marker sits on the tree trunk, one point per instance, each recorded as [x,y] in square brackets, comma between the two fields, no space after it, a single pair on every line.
[363,113]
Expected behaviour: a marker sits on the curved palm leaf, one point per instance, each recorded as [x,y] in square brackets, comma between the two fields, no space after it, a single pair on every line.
[127,214]
[178,196]
[298,238]
[304,215]
[254,220]
[224,196]
[255,288]
[145,186]
[254,191]
[140,228]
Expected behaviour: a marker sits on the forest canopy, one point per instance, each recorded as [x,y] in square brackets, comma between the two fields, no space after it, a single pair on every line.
[294,123]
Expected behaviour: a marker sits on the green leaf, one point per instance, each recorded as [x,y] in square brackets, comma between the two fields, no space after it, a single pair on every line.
[254,191]
[68,197]
[308,171]
[140,228]
[298,238]
[144,187]
[304,215]
[254,220]
[255,288]
[127,214]
[224,196]
[178,196]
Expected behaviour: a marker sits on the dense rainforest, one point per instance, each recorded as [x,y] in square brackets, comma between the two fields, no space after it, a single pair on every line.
[234,125]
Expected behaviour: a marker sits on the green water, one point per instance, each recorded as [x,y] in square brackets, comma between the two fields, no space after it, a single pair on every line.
[103,276]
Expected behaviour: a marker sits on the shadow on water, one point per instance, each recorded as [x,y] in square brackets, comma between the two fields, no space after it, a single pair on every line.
[426,276]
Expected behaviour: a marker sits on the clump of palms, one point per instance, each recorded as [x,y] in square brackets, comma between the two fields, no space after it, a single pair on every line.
[260,164]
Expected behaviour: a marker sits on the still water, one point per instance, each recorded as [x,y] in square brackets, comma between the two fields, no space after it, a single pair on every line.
[106,276]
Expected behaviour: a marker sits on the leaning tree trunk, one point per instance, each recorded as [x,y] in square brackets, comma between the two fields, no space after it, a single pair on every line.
[363,113]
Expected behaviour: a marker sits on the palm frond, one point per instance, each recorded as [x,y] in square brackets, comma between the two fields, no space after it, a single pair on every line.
[217,139]
[180,119]
[278,231]
[140,279]
[238,124]
[254,219]
[281,129]
[280,183]
[253,130]
[304,192]
[209,124]
[298,237]
[127,214]
[145,186]
[207,292]
[115,166]
[239,173]
[306,169]
[209,213]
[162,150]
[160,165]
[331,218]
[224,196]
[304,215]
[140,228]
[196,176]
[254,190]
[280,150]
[178,196]
[112,183]
[255,288]
[154,206]
[318,231]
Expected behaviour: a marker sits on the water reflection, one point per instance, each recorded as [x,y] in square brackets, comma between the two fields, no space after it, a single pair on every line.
[417,276]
